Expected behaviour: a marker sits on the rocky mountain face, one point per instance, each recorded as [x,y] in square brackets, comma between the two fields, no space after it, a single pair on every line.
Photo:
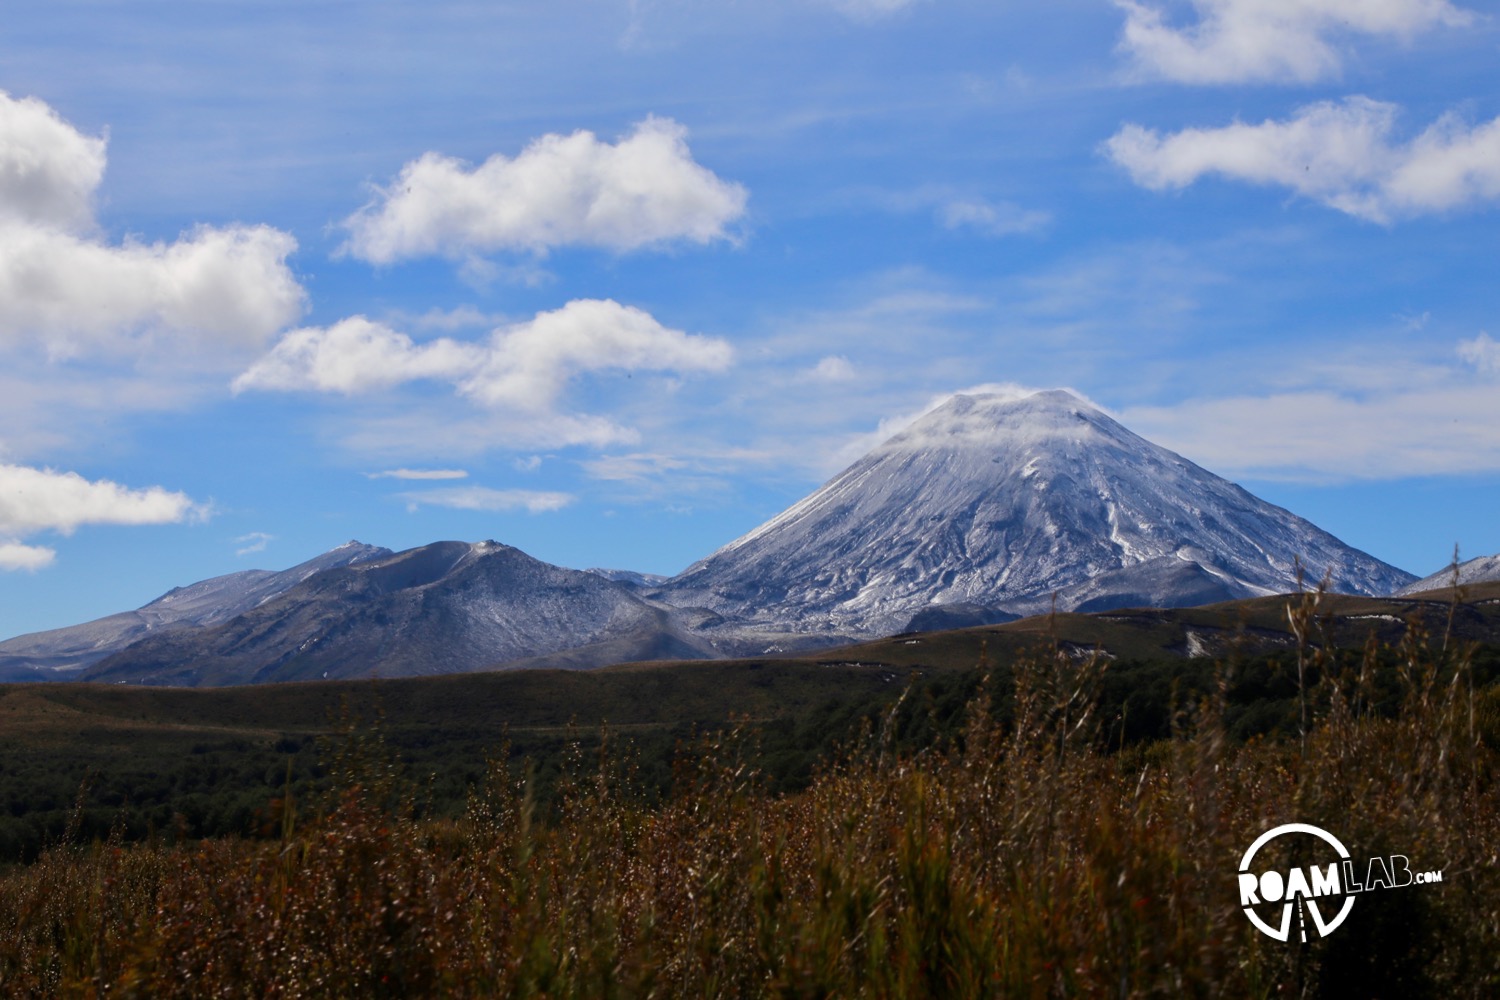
[442,608]
[1485,569]
[63,653]
[998,502]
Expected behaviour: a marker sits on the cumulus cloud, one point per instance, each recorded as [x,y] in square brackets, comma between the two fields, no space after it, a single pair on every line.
[561,190]
[1339,153]
[48,169]
[529,363]
[15,556]
[1236,41]
[523,368]
[519,374]
[483,498]
[33,500]
[36,500]
[419,474]
[212,286]
[67,289]
[355,355]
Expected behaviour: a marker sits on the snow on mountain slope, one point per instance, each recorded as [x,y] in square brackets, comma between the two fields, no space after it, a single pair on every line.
[1481,570]
[65,651]
[1003,502]
[441,608]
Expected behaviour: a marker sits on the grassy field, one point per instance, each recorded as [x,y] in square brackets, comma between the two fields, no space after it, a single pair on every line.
[991,830]
[184,764]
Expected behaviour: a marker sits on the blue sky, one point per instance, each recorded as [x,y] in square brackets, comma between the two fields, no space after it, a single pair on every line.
[615,280]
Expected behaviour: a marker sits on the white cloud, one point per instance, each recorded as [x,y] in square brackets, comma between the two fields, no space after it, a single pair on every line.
[15,556]
[833,368]
[217,287]
[1483,353]
[1338,153]
[65,289]
[256,541]
[485,499]
[1334,435]
[48,169]
[633,468]
[448,320]
[992,218]
[1379,414]
[561,190]
[35,500]
[419,474]
[1237,41]
[531,463]
[355,355]
[529,363]
[523,369]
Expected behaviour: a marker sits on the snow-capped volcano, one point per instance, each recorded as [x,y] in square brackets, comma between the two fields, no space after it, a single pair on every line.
[1003,502]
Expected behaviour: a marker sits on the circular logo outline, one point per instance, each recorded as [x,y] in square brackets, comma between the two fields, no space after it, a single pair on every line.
[1285,931]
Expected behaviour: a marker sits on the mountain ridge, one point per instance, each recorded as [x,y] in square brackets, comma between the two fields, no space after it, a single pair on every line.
[446,607]
[1483,569]
[73,648]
